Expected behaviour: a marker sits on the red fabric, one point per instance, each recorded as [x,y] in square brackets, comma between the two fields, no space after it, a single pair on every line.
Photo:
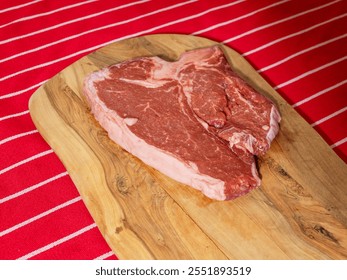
[299,47]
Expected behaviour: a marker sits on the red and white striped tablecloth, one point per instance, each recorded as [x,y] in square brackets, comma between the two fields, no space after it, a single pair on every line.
[299,47]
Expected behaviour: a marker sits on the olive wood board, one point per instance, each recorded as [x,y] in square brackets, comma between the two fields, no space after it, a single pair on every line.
[298,212]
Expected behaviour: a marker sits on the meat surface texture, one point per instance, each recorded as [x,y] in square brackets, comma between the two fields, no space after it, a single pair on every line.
[192,119]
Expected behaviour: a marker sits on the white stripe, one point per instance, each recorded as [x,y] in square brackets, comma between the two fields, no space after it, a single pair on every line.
[13,137]
[319,94]
[25,161]
[46,64]
[71,21]
[300,53]
[140,33]
[127,21]
[58,242]
[329,117]
[104,256]
[96,29]
[86,50]
[109,42]
[33,187]
[338,143]
[47,13]
[37,217]
[18,92]
[19,6]
[277,22]
[293,35]
[14,115]
[238,18]
[310,72]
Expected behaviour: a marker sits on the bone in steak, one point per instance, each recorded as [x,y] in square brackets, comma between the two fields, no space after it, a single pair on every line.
[192,119]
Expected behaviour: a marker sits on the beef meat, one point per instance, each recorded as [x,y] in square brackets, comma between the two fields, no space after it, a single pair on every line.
[192,119]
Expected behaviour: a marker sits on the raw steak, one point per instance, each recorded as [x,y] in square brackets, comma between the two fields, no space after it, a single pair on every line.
[193,119]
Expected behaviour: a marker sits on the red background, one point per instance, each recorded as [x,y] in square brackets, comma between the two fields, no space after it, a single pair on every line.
[299,47]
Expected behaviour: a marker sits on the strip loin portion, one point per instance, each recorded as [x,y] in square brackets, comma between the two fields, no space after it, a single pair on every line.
[193,119]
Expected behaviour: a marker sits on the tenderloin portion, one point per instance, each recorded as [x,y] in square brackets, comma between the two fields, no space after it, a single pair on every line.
[239,114]
[193,119]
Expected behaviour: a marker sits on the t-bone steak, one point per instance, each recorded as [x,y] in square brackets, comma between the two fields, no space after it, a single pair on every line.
[193,119]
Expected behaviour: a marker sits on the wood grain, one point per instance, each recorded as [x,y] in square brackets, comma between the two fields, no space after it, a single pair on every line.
[299,212]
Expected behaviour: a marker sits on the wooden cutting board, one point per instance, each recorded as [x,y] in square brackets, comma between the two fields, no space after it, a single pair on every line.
[299,212]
